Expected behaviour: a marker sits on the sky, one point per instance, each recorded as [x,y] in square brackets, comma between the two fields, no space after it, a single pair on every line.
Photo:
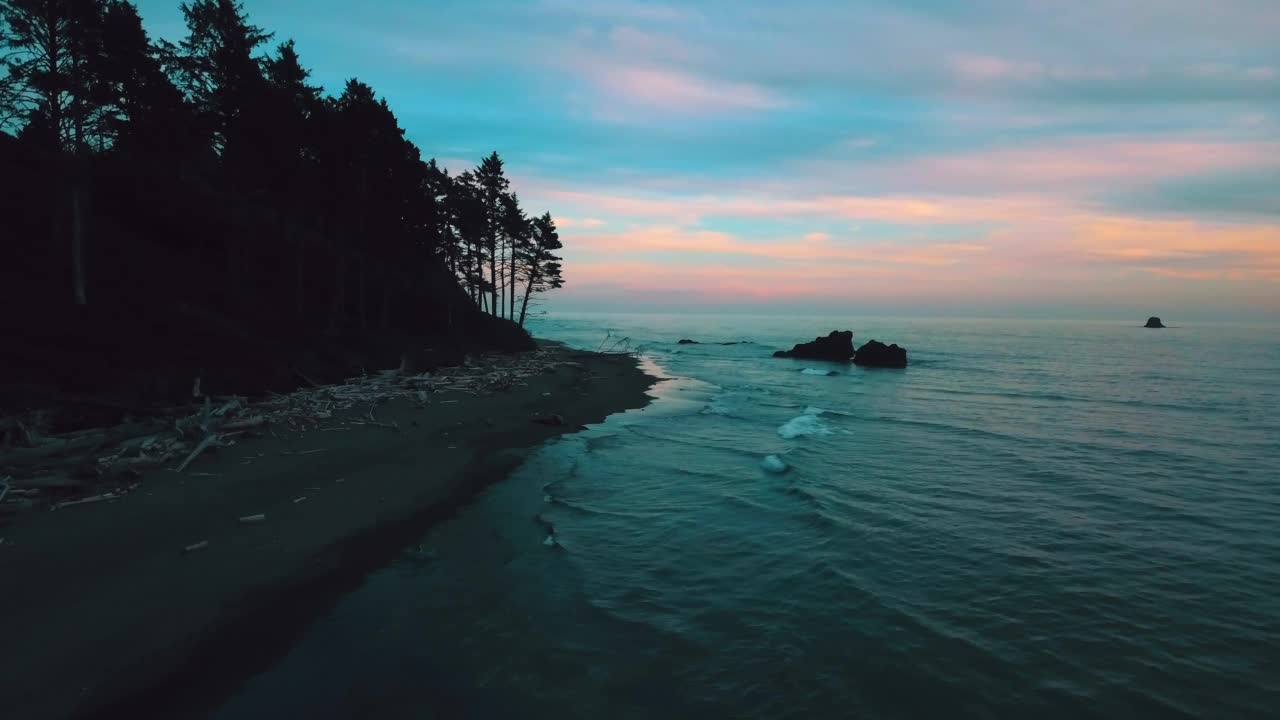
[1106,158]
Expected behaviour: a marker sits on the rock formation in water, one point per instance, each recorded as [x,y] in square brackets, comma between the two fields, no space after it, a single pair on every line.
[1154,322]
[877,354]
[837,346]
[687,341]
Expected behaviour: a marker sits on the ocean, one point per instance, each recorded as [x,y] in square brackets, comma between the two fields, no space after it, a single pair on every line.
[1049,519]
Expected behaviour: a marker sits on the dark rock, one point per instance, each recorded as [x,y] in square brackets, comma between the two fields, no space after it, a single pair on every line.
[837,346]
[1154,322]
[550,420]
[877,354]
[687,341]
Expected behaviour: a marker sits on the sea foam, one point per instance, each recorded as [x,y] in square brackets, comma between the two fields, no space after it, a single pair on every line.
[807,424]
[816,371]
[774,464]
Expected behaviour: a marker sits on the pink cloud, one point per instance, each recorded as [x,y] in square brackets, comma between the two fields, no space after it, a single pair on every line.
[985,68]
[788,249]
[651,87]
[1077,166]
[569,223]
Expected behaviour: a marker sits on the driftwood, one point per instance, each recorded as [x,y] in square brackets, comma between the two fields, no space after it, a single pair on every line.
[73,463]
[81,443]
[205,444]
[243,423]
[89,500]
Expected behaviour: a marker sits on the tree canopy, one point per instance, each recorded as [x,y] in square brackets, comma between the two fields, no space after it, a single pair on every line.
[220,150]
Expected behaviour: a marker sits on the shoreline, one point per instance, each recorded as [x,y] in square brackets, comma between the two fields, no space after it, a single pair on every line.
[104,615]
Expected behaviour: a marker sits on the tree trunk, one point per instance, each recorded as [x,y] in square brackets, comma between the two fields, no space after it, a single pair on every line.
[77,244]
[385,320]
[528,289]
[364,294]
[299,270]
[339,285]
[493,277]
[514,279]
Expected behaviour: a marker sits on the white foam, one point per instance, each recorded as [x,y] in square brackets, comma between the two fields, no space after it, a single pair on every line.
[807,424]
[717,407]
[817,371]
[550,541]
[774,464]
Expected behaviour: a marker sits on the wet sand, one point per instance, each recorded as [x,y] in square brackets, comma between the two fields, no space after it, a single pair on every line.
[102,613]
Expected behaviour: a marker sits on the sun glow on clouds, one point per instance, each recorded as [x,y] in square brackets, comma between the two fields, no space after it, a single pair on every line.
[935,151]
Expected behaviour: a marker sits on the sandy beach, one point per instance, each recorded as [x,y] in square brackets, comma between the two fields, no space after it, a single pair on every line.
[104,614]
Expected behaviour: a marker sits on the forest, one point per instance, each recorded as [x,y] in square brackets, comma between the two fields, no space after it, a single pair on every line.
[203,208]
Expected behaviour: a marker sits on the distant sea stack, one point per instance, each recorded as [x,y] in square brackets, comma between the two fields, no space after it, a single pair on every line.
[1154,322]
[877,354]
[837,346]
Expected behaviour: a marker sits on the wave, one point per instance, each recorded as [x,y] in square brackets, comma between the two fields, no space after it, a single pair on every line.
[774,464]
[808,424]
[817,371]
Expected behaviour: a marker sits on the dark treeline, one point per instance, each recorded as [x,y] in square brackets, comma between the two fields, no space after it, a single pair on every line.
[212,187]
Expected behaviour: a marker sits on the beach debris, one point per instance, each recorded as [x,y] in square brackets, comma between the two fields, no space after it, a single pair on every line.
[195,547]
[41,469]
[253,519]
[208,442]
[88,500]
[371,420]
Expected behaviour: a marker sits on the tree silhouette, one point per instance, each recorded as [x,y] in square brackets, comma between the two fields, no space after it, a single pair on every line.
[50,46]
[493,185]
[228,186]
[542,265]
[516,230]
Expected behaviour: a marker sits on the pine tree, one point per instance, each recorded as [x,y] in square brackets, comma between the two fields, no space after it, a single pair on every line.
[493,185]
[541,262]
[147,117]
[293,108]
[48,49]
[218,68]
[516,231]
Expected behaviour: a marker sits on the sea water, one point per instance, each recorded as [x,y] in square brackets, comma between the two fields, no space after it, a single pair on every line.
[1035,519]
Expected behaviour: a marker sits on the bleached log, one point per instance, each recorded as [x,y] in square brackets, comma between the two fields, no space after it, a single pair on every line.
[208,442]
[243,423]
[230,406]
[89,500]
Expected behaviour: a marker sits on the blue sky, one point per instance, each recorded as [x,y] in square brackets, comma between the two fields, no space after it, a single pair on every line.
[1048,156]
